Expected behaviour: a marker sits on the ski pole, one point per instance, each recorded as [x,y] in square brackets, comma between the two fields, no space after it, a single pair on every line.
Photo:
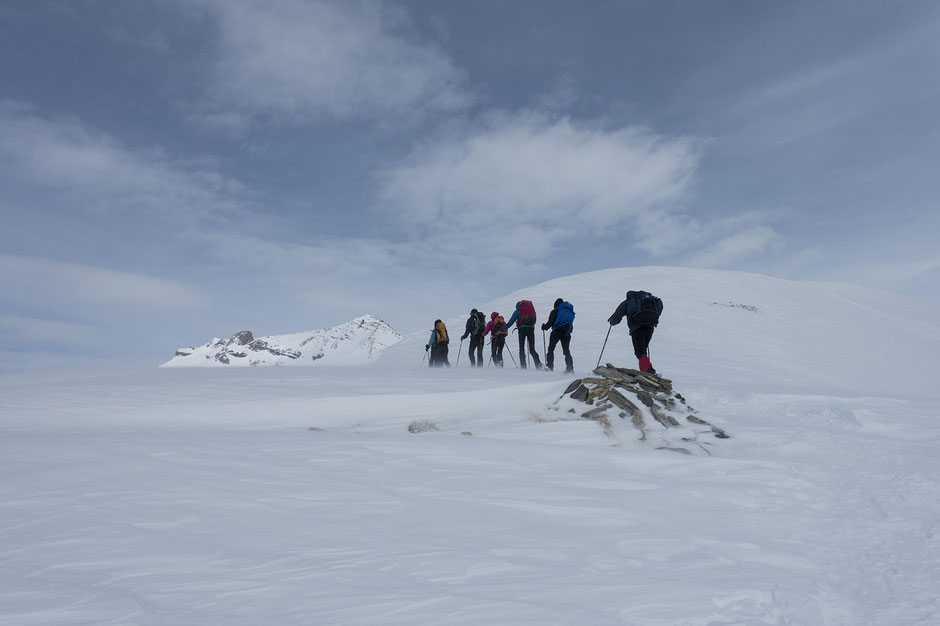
[459,350]
[513,358]
[604,346]
[424,357]
[544,349]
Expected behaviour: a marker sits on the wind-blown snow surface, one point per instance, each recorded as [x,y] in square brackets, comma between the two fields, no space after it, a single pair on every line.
[202,496]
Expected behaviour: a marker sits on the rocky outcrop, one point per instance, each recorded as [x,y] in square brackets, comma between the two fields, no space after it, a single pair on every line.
[619,398]
[353,343]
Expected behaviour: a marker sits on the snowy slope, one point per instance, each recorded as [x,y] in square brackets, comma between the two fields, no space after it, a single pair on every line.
[270,496]
[719,327]
[354,343]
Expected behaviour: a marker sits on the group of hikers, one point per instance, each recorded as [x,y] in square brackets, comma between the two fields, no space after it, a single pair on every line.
[640,308]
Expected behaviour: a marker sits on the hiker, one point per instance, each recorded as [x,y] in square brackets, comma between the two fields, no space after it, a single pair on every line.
[476,323]
[561,322]
[437,344]
[496,328]
[642,310]
[524,317]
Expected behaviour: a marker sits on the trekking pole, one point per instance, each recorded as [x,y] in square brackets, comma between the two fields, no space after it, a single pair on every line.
[513,358]
[424,357]
[544,349]
[459,350]
[604,346]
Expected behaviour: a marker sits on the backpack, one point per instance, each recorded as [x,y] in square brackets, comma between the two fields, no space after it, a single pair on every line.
[564,316]
[526,313]
[643,308]
[498,325]
[476,326]
[440,331]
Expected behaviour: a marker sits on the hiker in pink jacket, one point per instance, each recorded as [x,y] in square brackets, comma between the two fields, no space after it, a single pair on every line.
[496,329]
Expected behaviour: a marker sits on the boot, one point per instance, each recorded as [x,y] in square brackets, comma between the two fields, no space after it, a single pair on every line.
[646,366]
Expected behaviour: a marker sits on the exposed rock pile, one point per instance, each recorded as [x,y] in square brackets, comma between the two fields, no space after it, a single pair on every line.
[658,415]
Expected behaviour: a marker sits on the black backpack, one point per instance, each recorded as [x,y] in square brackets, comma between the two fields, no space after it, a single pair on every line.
[476,325]
[643,308]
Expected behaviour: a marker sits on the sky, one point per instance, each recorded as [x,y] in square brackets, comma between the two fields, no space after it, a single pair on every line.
[177,170]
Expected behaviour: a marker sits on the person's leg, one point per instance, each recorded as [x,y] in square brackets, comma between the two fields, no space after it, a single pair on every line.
[550,354]
[641,342]
[472,356]
[566,348]
[521,334]
[444,350]
[530,335]
[479,351]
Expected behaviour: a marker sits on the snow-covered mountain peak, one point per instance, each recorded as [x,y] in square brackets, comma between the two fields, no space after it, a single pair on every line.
[356,342]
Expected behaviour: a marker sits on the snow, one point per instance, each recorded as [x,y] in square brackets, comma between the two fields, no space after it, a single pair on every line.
[298,496]
[354,343]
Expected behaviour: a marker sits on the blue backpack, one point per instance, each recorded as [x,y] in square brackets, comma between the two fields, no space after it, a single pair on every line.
[643,308]
[564,316]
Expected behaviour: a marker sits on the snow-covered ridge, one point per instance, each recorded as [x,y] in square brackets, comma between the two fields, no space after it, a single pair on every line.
[354,343]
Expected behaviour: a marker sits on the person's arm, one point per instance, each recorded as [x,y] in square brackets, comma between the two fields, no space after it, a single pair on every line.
[551,320]
[617,317]
[432,339]
[515,316]
[489,327]
[466,331]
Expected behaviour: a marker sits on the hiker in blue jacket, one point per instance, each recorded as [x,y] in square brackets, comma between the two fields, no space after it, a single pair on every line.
[524,317]
[561,322]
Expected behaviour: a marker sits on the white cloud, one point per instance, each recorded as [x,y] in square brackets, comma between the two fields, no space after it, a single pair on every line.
[34,331]
[736,247]
[88,292]
[298,60]
[97,172]
[522,183]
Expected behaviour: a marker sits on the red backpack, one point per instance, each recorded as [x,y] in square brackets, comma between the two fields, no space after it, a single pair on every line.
[526,313]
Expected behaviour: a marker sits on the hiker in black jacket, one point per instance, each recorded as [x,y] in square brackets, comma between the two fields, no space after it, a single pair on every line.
[561,332]
[475,325]
[642,318]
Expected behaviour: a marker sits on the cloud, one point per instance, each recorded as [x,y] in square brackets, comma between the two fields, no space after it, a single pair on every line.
[96,172]
[521,183]
[32,331]
[736,247]
[87,292]
[299,60]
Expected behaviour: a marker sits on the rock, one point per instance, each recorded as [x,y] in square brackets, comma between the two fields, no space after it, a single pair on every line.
[595,413]
[612,387]
[421,426]
[621,401]
[644,397]
[664,419]
[581,393]
[720,433]
[243,338]
[671,449]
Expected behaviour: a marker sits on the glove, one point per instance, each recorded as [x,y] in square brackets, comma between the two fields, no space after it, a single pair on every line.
[427,347]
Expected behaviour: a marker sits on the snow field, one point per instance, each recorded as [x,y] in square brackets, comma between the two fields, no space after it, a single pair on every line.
[298,496]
